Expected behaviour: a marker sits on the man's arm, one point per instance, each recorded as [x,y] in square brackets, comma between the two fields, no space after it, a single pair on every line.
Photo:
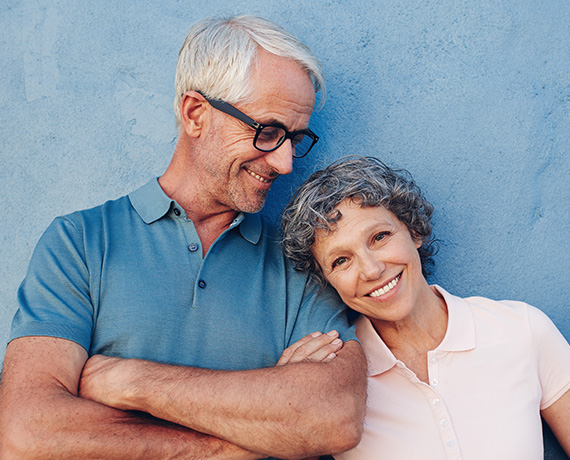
[41,415]
[289,411]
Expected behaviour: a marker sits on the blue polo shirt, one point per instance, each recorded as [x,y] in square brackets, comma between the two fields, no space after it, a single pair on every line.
[128,279]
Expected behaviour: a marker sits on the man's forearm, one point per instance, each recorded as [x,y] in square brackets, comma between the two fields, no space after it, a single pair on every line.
[75,428]
[289,411]
[41,416]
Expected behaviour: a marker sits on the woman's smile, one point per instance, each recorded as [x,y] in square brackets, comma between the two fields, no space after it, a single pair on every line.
[386,288]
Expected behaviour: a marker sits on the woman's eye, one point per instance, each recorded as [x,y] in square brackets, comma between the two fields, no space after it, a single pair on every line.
[338,262]
[380,236]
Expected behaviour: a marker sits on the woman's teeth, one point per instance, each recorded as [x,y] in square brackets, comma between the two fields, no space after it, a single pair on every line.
[387,288]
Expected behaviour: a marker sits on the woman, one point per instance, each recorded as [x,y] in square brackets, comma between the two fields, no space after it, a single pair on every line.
[449,378]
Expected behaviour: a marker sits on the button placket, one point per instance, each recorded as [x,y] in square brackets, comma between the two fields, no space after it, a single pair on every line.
[194,254]
[439,410]
[433,369]
[437,404]
[443,420]
[449,438]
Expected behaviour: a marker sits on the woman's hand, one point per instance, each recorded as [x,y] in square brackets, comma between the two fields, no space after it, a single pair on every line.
[316,347]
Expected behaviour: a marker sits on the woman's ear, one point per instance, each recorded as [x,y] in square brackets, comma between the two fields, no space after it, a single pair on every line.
[193,110]
[418,241]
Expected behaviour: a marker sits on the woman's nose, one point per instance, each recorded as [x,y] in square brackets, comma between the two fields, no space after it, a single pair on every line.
[371,267]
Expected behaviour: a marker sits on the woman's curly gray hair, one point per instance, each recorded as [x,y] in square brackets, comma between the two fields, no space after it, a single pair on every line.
[367,181]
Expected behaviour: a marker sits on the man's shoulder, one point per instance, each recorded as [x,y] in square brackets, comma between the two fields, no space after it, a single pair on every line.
[145,200]
[91,224]
[269,243]
[97,213]
[269,227]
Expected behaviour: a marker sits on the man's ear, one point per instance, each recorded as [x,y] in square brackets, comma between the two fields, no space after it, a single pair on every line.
[193,113]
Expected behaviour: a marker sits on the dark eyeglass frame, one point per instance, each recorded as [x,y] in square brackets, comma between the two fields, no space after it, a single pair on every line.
[233,112]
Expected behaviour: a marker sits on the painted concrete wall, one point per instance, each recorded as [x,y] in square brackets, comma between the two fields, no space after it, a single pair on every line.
[472,97]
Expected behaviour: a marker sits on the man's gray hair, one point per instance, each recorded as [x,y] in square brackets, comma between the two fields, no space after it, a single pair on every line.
[218,55]
[366,181]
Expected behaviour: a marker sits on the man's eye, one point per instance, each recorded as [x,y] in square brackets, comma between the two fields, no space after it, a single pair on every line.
[298,139]
[270,133]
[338,262]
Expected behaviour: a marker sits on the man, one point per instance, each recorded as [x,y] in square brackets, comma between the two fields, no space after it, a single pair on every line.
[179,272]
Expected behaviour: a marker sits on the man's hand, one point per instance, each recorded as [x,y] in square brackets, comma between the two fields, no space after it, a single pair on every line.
[315,347]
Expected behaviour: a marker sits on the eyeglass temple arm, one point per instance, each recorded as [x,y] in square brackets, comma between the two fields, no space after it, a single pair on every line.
[231,110]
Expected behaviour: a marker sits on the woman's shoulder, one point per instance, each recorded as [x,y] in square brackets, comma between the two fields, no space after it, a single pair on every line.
[506,309]
[514,315]
[489,308]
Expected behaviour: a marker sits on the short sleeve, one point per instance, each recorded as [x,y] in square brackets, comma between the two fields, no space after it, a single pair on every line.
[53,299]
[323,310]
[553,353]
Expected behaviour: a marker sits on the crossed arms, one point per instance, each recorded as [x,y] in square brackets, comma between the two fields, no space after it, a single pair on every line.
[311,403]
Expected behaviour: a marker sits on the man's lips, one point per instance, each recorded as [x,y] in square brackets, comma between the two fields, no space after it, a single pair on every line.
[260,178]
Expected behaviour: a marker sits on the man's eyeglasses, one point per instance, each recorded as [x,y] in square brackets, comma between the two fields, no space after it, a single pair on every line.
[270,137]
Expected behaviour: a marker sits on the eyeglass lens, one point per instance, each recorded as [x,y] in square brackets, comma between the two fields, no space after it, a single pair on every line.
[270,136]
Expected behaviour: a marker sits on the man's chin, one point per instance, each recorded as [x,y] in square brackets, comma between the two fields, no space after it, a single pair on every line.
[254,205]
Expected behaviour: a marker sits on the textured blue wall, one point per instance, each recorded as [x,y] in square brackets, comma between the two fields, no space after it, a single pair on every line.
[472,97]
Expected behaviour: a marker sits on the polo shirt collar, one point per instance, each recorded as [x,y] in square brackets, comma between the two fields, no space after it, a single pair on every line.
[249,226]
[151,203]
[460,335]
[379,357]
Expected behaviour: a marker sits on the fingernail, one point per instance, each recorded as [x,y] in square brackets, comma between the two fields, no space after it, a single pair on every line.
[331,356]
[332,333]
[336,341]
[316,334]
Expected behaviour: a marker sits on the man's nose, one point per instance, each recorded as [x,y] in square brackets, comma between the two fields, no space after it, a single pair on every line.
[281,159]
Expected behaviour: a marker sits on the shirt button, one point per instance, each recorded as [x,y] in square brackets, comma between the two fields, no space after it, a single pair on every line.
[434,382]
[433,360]
[443,422]
[193,247]
[450,443]
[176,211]
[436,402]
[202,284]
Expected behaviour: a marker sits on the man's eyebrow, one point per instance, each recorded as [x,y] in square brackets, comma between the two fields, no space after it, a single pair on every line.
[274,122]
[279,124]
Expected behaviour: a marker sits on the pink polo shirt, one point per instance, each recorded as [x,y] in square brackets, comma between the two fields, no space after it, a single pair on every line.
[498,365]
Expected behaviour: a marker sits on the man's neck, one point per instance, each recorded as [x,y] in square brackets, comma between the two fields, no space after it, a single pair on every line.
[210,221]
[210,229]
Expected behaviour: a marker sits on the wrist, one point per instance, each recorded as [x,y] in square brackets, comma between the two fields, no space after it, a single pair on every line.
[135,384]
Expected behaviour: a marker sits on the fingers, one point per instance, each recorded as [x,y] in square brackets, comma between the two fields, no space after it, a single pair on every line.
[315,347]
